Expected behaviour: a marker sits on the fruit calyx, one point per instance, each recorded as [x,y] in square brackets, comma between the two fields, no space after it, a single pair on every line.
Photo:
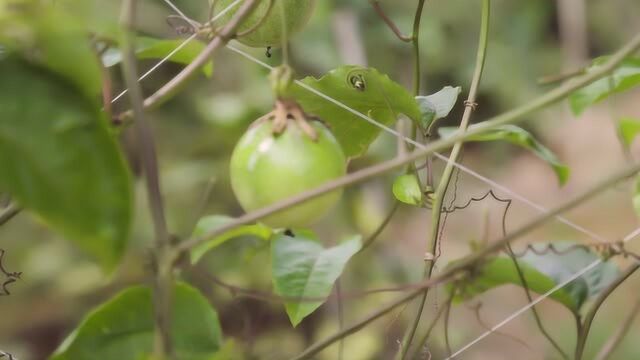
[287,112]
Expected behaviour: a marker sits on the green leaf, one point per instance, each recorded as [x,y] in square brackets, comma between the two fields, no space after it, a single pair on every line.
[624,77]
[123,328]
[628,128]
[518,136]
[53,39]
[213,222]
[544,272]
[363,89]
[151,48]
[438,105]
[59,160]
[302,268]
[406,188]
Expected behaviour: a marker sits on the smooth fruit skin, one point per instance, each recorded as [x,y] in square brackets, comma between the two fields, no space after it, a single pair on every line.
[267,168]
[269,33]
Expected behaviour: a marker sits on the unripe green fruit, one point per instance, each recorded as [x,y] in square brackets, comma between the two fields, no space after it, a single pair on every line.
[269,33]
[267,168]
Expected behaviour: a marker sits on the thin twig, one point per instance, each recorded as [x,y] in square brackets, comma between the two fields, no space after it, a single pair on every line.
[387,219]
[620,333]
[425,337]
[394,28]
[415,39]
[534,311]
[190,71]
[340,305]
[556,78]
[441,191]
[163,252]
[8,213]
[447,318]
[583,334]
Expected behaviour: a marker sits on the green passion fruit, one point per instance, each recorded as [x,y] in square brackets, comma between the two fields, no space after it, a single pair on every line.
[269,20]
[267,167]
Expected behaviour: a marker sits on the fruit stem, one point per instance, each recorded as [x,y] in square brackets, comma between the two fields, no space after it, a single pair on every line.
[288,109]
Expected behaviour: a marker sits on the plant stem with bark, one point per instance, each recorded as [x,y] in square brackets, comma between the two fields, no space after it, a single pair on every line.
[441,191]
[583,330]
[163,255]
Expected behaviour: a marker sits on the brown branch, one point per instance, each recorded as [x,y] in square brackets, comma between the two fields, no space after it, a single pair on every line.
[191,70]
[164,256]
[394,28]
[583,334]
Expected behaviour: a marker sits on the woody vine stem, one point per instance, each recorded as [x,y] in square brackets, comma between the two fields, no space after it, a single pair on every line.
[441,191]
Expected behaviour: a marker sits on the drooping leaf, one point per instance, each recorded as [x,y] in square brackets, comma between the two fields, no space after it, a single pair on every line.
[406,188]
[518,136]
[438,105]
[624,77]
[363,89]
[628,128]
[151,48]
[543,272]
[59,161]
[53,39]
[302,268]
[123,328]
[211,223]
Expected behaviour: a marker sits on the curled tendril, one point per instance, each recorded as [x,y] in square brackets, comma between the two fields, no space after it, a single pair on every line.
[11,276]
[605,250]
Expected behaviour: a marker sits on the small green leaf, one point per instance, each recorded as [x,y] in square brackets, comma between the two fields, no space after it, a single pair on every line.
[213,222]
[628,128]
[123,328]
[302,268]
[438,105]
[406,188]
[151,48]
[363,89]
[624,77]
[544,272]
[59,160]
[518,136]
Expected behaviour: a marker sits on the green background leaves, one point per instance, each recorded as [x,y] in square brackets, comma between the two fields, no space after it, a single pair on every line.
[59,160]
[543,272]
[123,328]
[518,136]
[624,77]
